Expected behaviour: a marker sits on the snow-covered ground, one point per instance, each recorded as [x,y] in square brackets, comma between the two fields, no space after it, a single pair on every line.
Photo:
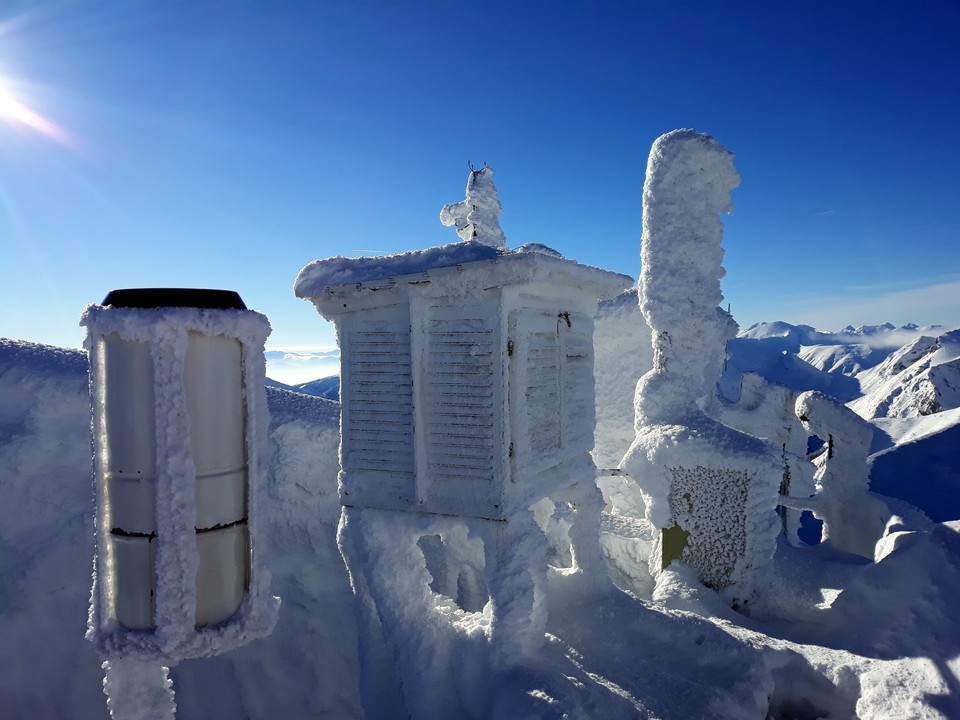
[830,634]
[776,532]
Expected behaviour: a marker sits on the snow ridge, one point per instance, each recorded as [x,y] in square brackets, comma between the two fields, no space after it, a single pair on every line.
[921,378]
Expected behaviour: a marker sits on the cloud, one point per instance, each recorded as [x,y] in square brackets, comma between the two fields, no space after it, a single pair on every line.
[924,301]
[302,363]
[304,349]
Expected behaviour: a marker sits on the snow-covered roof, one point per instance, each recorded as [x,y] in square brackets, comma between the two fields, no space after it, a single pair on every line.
[487,265]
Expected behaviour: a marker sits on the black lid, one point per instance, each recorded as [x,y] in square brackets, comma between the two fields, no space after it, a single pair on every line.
[174,297]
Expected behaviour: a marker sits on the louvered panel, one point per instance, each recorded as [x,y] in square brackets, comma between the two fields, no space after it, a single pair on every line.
[387,434]
[379,399]
[460,408]
[463,450]
[542,385]
[459,471]
[578,383]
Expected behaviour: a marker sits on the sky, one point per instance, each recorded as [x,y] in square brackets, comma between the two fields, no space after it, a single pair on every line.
[228,144]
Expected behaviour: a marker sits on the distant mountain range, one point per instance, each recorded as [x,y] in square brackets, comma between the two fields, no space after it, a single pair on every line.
[292,367]
[880,370]
[328,387]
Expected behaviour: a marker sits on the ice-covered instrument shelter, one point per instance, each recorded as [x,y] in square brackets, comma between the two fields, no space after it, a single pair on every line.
[467,420]
[466,370]
[467,375]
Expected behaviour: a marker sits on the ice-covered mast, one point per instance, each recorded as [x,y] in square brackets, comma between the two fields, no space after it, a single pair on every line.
[478,216]
[689,179]
[711,490]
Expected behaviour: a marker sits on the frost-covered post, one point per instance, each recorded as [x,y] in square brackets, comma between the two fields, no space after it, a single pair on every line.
[477,217]
[710,489]
[689,180]
[767,410]
[179,422]
[853,519]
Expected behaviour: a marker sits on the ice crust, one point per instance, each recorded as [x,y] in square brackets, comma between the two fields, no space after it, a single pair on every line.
[488,619]
[478,216]
[878,651]
[686,463]
[854,520]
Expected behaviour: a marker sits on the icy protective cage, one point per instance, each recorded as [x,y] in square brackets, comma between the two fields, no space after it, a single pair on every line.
[175,473]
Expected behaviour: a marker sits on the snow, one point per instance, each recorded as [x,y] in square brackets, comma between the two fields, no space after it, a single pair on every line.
[769,358]
[921,378]
[843,359]
[921,468]
[478,216]
[705,484]
[349,271]
[564,610]
[884,646]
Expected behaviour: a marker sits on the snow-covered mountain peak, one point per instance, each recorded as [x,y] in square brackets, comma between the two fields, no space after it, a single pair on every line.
[907,355]
[779,328]
[921,378]
[869,329]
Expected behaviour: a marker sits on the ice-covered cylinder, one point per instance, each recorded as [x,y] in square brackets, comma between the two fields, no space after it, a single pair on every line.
[177,418]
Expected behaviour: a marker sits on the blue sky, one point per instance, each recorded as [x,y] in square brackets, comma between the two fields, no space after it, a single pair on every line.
[229,144]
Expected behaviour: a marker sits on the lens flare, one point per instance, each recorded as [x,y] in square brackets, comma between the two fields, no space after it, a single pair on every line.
[16,113]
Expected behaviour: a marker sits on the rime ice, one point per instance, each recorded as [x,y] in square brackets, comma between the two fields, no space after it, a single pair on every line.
[853,519]
[828,635]
[467,396]
[478,216]
[709,488]
[689,179]
[165,335]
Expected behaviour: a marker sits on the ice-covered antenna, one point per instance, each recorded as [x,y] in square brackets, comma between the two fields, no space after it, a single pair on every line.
[690,176]
[477,217]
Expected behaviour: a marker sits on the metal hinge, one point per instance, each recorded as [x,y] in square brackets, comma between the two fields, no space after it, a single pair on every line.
[509,348]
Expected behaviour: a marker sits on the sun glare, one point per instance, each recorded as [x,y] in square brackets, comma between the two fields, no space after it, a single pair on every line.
[16,113]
